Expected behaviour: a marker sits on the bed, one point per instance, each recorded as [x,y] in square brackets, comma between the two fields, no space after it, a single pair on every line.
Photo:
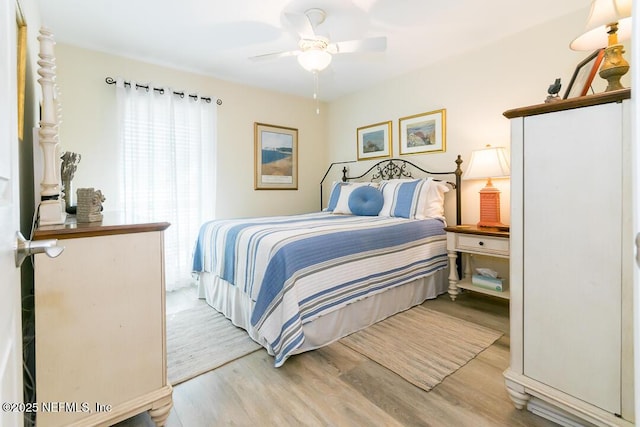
[299,282]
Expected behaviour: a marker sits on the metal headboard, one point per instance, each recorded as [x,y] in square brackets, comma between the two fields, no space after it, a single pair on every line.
[401,168]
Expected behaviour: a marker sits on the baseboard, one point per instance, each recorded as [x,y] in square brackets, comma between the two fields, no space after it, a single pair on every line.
[557,415]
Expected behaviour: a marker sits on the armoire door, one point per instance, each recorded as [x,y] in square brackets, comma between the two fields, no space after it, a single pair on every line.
[573,219]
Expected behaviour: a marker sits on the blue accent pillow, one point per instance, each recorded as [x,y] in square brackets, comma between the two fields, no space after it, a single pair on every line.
[366,201]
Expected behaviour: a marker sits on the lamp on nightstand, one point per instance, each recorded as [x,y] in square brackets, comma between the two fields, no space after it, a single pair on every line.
[488,163]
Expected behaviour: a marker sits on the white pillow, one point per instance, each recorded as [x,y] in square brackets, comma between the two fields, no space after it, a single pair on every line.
[334,194]
[432,200]
[342,206]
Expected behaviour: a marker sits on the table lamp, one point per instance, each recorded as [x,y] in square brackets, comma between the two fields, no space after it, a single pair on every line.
[609,22]
[487,163]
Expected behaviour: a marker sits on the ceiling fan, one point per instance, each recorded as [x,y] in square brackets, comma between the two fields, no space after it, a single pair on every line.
[315,51]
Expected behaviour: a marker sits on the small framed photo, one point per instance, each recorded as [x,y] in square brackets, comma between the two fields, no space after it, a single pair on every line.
[583,75]
[275,157]
[423,133]
[374,141]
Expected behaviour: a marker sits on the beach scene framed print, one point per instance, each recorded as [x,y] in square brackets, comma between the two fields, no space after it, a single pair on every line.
[276,157]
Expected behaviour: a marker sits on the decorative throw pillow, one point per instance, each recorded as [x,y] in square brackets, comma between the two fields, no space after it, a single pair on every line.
[335,195]
[413,198]
[401,197]
[366,201]
[342,205]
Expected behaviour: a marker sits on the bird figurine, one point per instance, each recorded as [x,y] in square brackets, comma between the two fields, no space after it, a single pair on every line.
[555,87]
[553,90]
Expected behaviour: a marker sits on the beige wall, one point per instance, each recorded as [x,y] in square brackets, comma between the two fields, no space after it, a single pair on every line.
[475,89]
[88,127]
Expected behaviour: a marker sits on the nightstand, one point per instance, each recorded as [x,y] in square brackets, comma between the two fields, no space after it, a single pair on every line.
[471,240]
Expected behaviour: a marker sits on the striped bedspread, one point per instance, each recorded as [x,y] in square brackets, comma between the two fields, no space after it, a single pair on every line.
[297,268]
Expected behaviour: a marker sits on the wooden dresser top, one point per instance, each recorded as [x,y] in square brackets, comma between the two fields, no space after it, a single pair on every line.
[568,104]
[112,223]
[483,231]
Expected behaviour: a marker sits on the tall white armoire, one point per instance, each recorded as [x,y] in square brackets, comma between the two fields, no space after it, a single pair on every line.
[572,255]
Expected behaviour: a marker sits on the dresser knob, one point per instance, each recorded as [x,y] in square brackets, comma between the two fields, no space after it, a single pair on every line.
[481,243]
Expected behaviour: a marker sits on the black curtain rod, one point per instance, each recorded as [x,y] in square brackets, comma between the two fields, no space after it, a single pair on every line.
[111,81]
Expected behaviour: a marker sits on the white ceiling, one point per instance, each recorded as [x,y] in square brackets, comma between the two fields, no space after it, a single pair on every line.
[216,37]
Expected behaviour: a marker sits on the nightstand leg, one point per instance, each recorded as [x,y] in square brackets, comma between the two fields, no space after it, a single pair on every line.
[466,259]
[453,275]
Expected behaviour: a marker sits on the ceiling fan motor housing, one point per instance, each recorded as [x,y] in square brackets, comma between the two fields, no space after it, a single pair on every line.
[319,43]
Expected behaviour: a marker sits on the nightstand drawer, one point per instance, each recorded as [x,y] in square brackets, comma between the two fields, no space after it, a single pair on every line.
[483,244]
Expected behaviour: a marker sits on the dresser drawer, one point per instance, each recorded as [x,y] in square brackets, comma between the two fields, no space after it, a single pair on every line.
[482,244]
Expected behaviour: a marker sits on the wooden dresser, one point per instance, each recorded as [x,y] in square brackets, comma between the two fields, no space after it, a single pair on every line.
[572,260]
[100,324]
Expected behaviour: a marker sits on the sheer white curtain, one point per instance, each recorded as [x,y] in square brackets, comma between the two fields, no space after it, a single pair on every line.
[167,168]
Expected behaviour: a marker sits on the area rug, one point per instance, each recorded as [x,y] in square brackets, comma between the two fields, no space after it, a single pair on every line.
[201,339]
[422,346]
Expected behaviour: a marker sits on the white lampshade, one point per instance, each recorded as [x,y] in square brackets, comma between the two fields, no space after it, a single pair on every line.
[603,14]
[314,59]
[488,162]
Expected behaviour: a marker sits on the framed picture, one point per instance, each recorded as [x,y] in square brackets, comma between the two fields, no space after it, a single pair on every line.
[21,36]
[374,141]
[276,157]
[423,133]
[583,75]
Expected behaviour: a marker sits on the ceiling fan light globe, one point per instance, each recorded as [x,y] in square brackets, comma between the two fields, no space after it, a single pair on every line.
[314,60]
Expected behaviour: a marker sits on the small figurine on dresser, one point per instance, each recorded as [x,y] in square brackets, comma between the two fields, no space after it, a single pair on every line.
[89,205]
[553,90]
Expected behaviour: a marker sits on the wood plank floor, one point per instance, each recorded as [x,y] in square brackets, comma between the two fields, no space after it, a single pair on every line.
[335,386]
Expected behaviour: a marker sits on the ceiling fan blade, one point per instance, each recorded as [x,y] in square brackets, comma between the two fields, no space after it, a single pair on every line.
[300,24]
[275,55]
[373,44]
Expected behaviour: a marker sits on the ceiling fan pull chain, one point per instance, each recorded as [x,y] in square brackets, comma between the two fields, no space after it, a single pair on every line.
[315,91]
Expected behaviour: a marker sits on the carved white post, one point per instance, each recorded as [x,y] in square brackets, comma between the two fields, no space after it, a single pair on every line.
[453,275]
[51,206]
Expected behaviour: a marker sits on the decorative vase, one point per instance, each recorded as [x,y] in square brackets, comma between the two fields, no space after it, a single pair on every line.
[69,197]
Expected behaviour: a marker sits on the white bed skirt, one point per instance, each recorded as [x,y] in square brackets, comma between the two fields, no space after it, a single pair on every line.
[236,306]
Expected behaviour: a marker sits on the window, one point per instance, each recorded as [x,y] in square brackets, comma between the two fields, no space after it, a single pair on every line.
[167,168]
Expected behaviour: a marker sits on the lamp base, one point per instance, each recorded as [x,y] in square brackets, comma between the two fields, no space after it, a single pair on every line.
[490,207]
[614,66]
